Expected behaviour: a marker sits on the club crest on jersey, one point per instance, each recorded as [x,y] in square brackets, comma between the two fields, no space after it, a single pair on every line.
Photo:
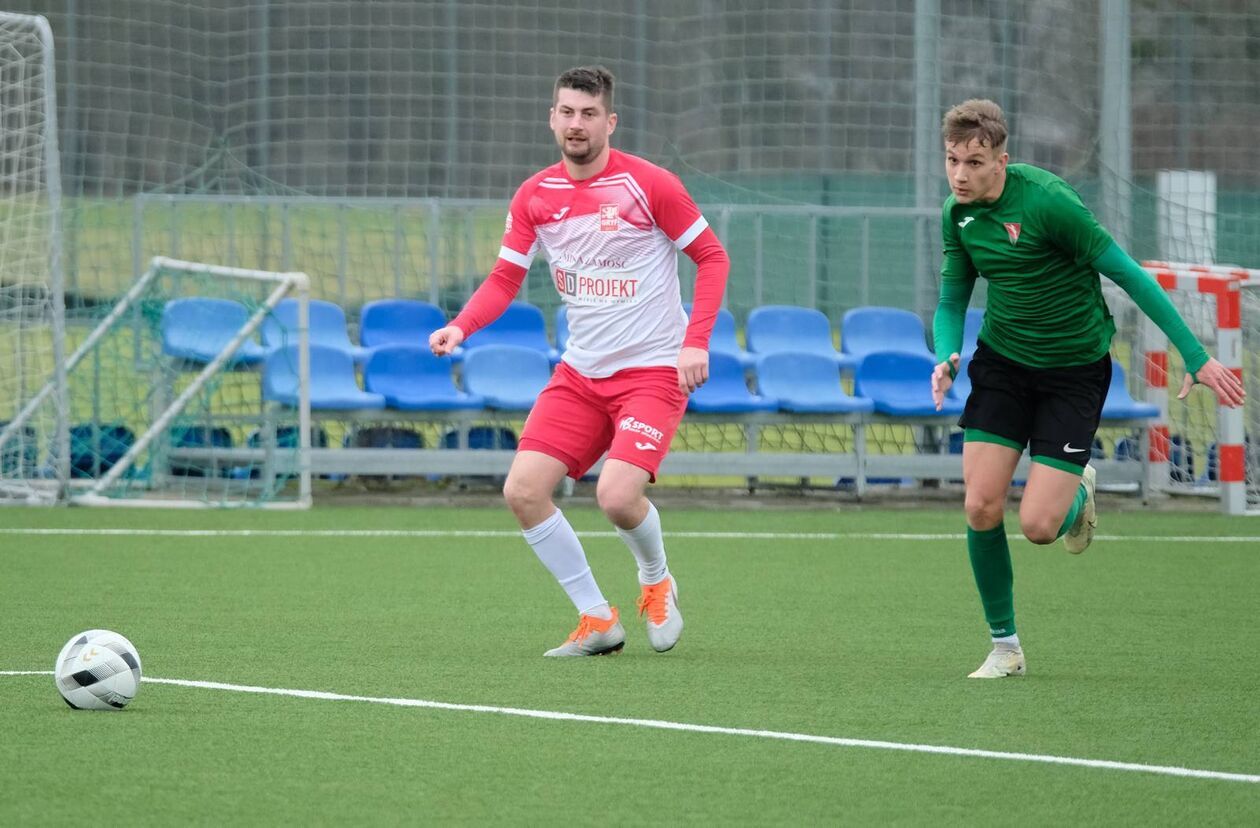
[608,217]
[1012,230]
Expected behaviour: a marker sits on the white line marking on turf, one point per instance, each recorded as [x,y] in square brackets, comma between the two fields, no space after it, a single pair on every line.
[658,724]
[504,533]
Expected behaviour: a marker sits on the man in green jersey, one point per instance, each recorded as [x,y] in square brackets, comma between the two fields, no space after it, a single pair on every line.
[1041,370]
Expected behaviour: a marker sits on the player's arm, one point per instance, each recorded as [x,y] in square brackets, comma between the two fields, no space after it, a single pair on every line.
[712,269]
[1076,230]
[958,280]
[679,218]
[493,296]
[1118,266]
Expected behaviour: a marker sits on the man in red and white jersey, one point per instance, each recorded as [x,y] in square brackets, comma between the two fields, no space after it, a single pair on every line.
[610,225]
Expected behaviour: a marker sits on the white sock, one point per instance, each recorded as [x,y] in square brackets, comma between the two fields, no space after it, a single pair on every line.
[648,546]
[557,546]
[1007,642]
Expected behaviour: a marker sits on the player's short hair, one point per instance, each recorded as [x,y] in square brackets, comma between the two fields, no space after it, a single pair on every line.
[593,80]
[978,119]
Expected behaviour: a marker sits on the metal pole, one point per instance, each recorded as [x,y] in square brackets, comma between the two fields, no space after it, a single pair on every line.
[927,149]
[435,241]
[452,95]
[262,129]
[1115,122]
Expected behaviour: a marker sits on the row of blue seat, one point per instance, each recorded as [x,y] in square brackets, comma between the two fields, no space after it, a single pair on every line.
[510,377]
[196,329]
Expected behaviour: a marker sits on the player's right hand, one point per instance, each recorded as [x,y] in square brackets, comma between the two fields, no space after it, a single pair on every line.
[444,340]
[941,380]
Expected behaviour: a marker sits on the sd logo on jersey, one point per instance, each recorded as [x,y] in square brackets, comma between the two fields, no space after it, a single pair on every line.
[566,281]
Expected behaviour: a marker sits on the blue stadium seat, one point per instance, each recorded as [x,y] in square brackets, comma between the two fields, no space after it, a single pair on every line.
[20,455]
[95,450]
[562,327]
[327,327]
[723,338]
[775,328]
[507,377]
[1119,404]
[197,329]
[483,437]
[398,322]
[521,325]
[873,328]
[333,384]
[286,438]
[807,384]
[411,378]
[199,436]
[900,384]
[383,437]
[727,391]
[971,331]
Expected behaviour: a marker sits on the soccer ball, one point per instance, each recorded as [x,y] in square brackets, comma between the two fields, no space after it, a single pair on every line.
[98,670]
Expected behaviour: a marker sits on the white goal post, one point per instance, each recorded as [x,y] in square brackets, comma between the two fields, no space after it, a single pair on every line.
[32,300]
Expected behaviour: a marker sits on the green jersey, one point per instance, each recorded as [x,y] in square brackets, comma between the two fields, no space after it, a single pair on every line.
[1035,245]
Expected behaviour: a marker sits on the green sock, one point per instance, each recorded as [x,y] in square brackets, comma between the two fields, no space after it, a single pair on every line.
[1077,503]
[991,564]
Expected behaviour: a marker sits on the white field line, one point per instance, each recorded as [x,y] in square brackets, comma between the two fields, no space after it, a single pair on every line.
[505,533]
[657,724]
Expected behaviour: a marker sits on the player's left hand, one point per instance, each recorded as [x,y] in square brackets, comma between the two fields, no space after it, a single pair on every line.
[1228,387]
[693,368]
[941,379]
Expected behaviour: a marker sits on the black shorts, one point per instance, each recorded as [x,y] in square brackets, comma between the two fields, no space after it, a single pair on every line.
[1053,411]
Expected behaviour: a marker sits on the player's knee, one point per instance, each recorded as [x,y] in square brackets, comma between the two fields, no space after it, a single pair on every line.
[523,496]
[1039,529]
[983,512]
[617,502]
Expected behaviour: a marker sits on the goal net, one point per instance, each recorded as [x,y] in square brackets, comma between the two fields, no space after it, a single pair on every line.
[164,390]
[375,146]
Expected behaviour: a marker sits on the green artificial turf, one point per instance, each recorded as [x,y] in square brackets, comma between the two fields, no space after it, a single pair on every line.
[1141,650]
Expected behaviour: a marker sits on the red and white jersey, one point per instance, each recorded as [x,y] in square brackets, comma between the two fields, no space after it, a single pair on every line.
[612,242]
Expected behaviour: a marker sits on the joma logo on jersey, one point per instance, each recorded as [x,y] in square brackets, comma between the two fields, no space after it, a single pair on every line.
[566,281]
[608,217]
[639,427]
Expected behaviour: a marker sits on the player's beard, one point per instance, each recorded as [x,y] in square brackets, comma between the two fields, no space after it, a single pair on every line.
[591,150]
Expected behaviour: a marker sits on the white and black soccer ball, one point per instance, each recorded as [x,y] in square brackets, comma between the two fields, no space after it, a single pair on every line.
[98,670]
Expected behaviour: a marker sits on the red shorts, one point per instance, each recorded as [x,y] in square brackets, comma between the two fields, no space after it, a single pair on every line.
[632,415]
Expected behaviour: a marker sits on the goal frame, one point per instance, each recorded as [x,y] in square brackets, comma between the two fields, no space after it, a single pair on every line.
[1225,283]
[285,284]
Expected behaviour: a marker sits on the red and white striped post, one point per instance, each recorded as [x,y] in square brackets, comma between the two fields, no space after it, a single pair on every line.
[1222,282]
